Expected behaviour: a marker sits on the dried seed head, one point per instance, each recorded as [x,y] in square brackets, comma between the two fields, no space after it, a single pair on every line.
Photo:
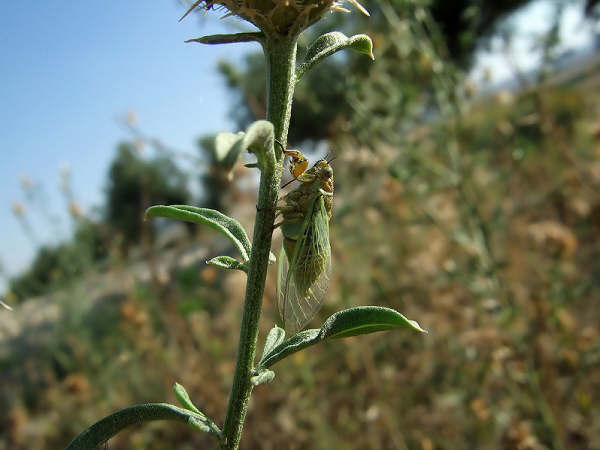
[277,17]
[18,209]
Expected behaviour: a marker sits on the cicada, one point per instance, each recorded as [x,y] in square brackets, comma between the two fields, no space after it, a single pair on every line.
[305,258]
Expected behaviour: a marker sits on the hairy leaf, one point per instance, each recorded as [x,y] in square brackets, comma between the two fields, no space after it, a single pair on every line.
[330,43]
[184,398]
[274,338]
[364,320]
[228,148]
[350,322]
[200,421]
[214,219]
[229,38]
[106,428]
[227,262]
[263,376]
[294,344]
[259,139]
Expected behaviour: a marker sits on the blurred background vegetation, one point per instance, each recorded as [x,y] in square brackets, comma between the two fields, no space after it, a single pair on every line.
[473,208]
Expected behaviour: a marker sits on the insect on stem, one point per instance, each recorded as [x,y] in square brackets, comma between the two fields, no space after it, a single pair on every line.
[305,259]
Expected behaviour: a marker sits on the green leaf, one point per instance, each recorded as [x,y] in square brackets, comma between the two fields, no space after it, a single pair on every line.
[350,322]
[260,139]
[199,424]
[227,262]
[294,344]
[200,421]
[214,219]
[228,148]
[330,43]
[107,427]
[184,398]
[230,38]
[263,376]
[274,338]
[364,320]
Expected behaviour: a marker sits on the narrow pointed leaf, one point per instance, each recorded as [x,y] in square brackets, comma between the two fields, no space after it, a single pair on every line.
[274,338]
[184,398]
[227,262]
[294,344]
[200,421]
[106,428]
[350,322]
[263,376]
[214,219]
[229,38]
[330,43]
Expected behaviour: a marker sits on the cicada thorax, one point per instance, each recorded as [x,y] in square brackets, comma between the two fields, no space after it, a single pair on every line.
[300,202]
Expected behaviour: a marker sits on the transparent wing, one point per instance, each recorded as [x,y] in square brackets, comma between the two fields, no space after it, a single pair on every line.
[303,277]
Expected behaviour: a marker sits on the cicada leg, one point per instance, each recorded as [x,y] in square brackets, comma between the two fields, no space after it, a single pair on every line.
[298,162]
[325,193]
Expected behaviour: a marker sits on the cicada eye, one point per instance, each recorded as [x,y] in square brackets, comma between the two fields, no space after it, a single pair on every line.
[328,172]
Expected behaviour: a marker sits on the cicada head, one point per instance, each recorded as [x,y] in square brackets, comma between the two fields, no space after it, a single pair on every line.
[320,176]
[325,175]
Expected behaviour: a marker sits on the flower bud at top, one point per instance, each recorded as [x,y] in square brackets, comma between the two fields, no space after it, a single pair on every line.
[277,17]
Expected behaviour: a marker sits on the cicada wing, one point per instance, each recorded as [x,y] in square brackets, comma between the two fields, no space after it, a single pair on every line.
[295,307]
[303,277]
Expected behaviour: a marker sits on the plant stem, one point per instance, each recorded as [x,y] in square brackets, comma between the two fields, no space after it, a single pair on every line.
[280,56]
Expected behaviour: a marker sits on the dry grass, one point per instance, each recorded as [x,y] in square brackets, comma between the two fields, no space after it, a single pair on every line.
[501,267]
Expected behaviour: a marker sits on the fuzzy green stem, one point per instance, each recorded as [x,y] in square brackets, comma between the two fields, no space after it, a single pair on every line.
[280,58]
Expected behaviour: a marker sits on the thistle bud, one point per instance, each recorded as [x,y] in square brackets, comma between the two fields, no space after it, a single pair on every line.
[277,17]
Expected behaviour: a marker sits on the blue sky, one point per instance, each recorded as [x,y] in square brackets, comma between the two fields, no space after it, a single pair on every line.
[70,69]
[529,23]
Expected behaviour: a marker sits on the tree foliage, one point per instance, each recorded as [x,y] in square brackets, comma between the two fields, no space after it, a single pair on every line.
[214,180]
[56,265]
[322,103]
[134,184]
